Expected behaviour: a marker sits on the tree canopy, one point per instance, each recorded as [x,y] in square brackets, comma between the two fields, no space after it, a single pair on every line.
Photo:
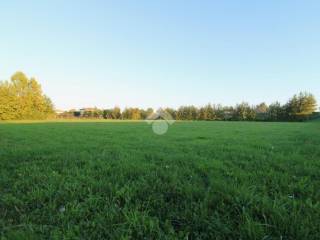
[300,107]
[22,98]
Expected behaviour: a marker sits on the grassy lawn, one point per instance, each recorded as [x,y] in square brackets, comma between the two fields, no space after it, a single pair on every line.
[118,180]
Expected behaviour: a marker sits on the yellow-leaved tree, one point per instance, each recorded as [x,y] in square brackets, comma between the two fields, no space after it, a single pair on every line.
[22,98]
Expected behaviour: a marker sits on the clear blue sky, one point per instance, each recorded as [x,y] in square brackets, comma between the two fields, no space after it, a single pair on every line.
[163,53]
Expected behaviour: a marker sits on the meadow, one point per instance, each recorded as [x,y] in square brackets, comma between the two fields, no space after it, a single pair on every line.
[119,180]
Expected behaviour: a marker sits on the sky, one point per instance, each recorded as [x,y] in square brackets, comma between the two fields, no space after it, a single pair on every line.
[163,53]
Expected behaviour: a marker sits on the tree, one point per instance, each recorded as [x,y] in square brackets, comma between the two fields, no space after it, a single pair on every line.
[146,113]
[8,102]
[192,113]
[131,114]
[187,113]
[48,107]
[301,107]
[261,111]
[222,112]
[135,114]
[251,114]
[116,113]
[97,113]
[107,114]
[181,114]
[261,108]
[22,98]
[244,112]
[172,112]
[126,114]
[276,112]
[206,113]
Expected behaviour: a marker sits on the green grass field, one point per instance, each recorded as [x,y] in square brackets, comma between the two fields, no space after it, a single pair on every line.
[201,180]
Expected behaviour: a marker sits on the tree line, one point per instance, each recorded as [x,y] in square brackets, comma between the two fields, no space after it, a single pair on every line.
[22,98]
[300,107]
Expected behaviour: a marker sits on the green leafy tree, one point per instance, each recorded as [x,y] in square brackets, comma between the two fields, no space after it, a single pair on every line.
[227,112]
[276,112]
[135,114]
[187,113]
[243,112]
[116,113]
[181,113]
[146,113]
[172,112]
[261,111]
[206,113]
[131,114]
[97,113]
[126,114]
[107,114]
[301,106]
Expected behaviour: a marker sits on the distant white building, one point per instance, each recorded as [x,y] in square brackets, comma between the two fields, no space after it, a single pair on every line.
[58,111]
